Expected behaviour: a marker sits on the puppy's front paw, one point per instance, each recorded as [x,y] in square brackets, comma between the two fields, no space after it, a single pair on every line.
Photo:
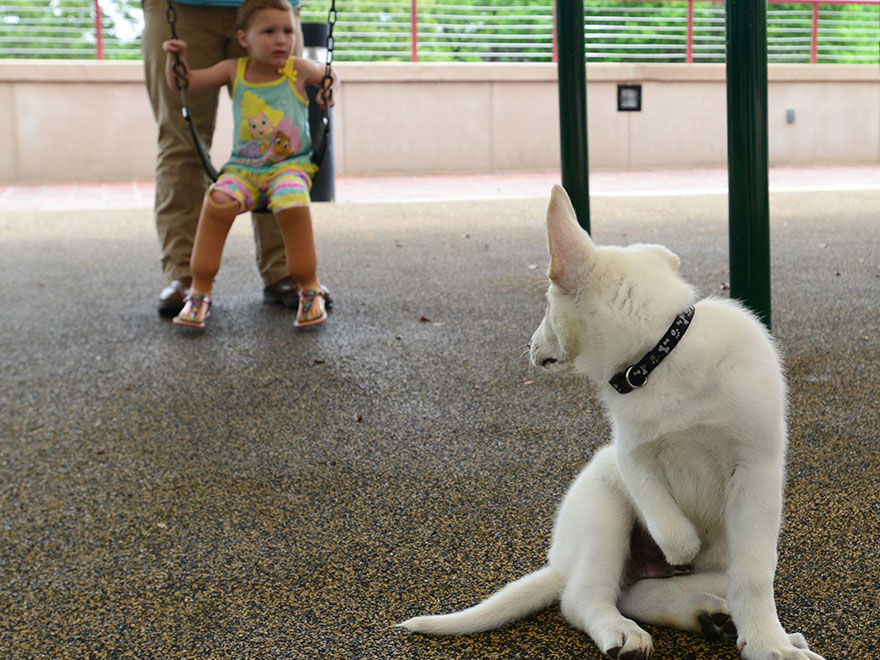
[792,647]
[626,641]
[679,542]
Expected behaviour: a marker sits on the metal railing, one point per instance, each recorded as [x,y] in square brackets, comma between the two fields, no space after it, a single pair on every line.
[831,31]
[77,29]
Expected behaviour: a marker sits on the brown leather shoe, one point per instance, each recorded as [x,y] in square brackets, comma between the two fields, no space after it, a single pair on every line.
[283,292]
[171,300]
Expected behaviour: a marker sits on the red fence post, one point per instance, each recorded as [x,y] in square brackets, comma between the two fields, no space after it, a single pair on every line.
[414,29]
[99,35]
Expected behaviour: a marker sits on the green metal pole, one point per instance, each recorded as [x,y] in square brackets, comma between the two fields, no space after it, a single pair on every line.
[748,197]
[573,106]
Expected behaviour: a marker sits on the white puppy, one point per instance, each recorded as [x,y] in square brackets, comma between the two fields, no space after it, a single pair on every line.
[676,522]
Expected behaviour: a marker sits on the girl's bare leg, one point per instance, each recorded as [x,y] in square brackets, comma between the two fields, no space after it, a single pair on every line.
[302,261]
[218,213]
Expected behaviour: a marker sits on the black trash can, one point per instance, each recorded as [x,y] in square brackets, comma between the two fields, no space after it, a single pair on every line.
[315,49]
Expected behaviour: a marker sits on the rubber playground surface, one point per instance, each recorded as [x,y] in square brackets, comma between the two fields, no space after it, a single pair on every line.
[256,492]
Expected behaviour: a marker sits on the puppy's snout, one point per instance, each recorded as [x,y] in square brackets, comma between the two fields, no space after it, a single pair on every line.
[547,361]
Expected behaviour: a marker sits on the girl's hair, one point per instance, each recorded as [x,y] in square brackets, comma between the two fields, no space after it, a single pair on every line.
[248,8]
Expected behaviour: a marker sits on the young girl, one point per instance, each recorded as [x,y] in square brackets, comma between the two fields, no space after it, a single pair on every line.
[271,155]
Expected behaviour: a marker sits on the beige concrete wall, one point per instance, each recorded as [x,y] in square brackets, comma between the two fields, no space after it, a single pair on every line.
[91,121]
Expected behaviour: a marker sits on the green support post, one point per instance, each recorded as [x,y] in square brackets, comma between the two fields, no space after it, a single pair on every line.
[748,197]
[573,106]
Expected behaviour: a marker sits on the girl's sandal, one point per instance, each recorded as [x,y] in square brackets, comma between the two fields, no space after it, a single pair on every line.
[309,301]
[196,310]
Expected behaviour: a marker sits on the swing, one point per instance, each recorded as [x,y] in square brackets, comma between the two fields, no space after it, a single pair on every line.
[319,141]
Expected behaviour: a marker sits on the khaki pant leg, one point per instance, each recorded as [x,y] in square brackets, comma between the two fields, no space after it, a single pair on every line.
[270,247]
[180,178]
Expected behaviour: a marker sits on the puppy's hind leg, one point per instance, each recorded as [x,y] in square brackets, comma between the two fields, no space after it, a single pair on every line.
[590,548]
[694,602]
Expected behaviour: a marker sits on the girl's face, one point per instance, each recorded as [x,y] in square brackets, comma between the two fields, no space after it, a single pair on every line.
[269,37]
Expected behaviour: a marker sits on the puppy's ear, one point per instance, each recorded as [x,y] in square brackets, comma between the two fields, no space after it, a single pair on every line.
[668,256]
[571,248]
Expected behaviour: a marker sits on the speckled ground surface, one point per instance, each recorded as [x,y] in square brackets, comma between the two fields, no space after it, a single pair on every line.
[261,493]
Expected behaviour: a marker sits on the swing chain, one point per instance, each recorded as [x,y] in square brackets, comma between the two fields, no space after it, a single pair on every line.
[181,75]
[181,80]
[326,90]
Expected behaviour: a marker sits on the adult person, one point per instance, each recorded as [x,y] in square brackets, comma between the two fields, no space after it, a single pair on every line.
[181,181]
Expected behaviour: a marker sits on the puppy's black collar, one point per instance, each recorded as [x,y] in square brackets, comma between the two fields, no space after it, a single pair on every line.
[636,375]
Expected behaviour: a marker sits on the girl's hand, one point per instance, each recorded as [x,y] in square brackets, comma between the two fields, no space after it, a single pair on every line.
[319,83]
[175,46]
[198,80]
[333,89]
[176,75]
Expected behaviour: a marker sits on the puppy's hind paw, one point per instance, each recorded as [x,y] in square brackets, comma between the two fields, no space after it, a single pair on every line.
[718,626]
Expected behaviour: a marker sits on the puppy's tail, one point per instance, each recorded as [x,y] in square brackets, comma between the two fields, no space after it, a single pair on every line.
[515,601]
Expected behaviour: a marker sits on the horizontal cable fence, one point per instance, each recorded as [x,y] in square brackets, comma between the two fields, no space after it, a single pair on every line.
[835,31]
[70,29]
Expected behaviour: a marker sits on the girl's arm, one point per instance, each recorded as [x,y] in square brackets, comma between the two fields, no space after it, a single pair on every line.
[312,73]
[198,80]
